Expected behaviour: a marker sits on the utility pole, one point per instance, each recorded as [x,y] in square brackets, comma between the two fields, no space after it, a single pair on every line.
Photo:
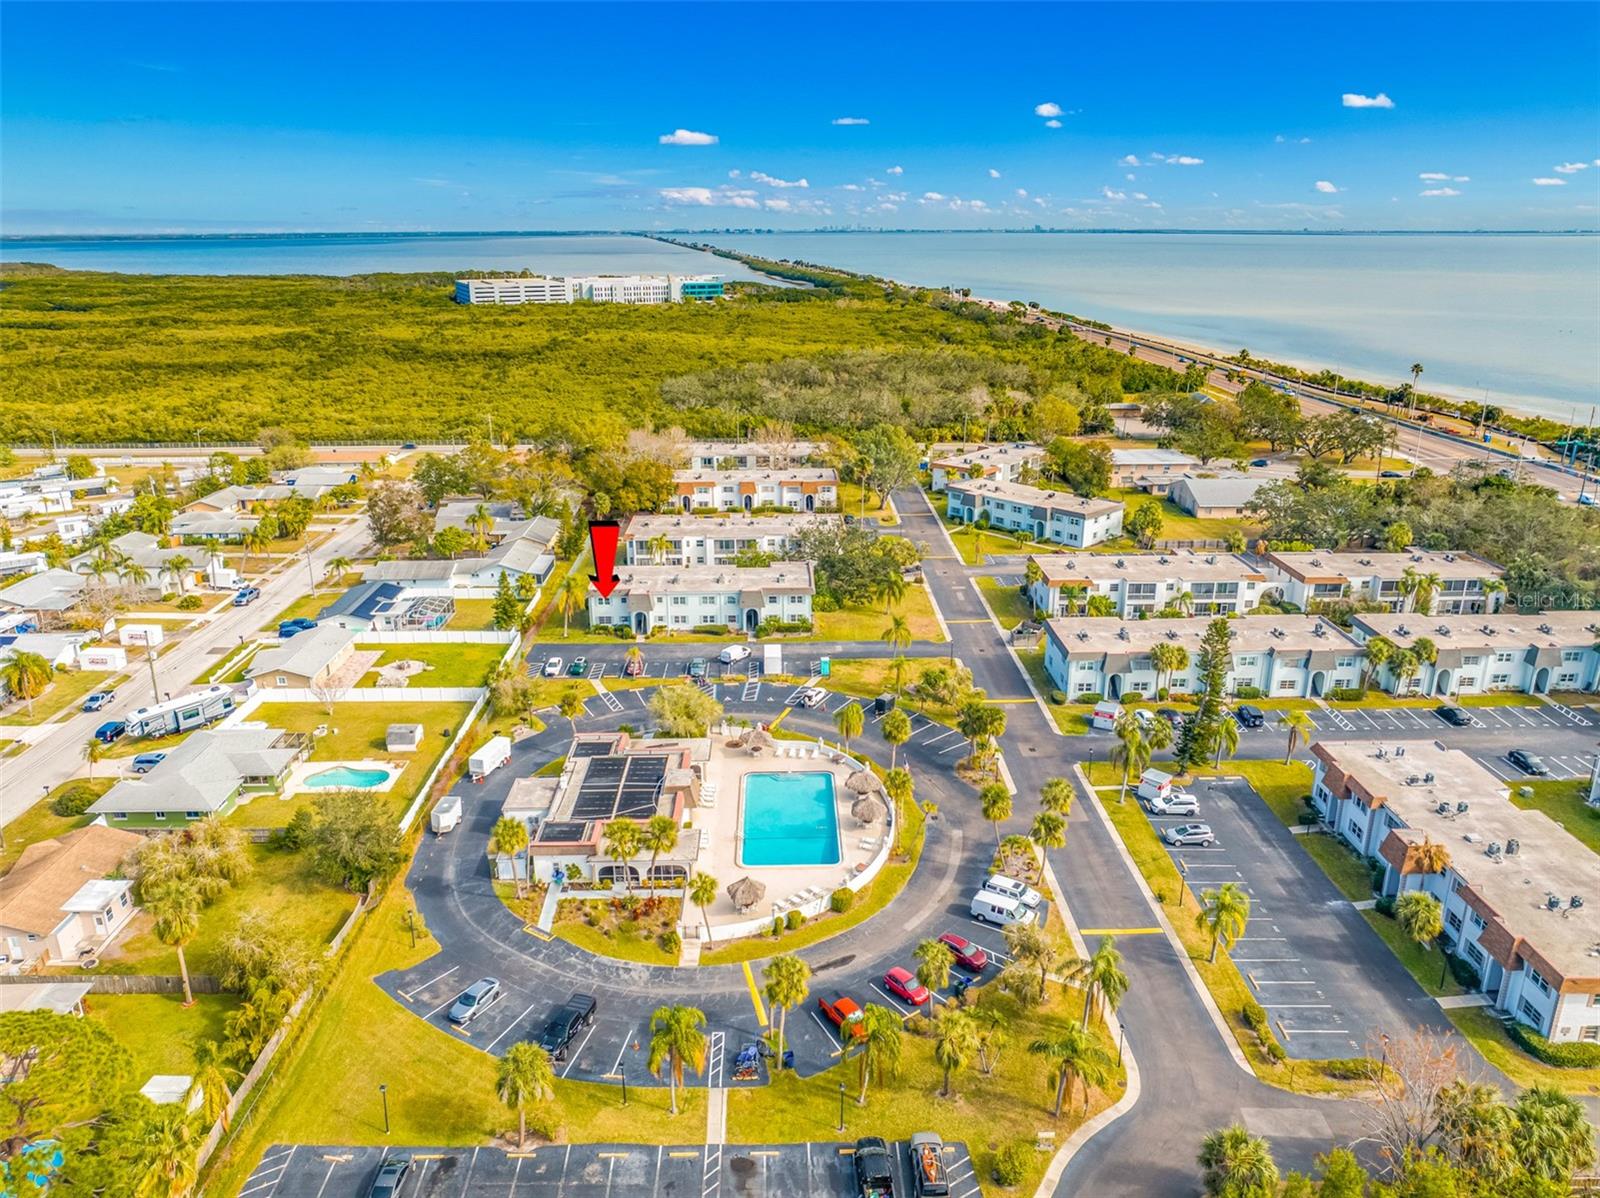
[310,572]
[150,660]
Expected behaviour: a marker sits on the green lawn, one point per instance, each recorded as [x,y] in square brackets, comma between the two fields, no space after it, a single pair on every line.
[1344,869]
[159,1030]
[1071,718]
[68,690]
[1563,802]
[867,622]
[40,823]
[358,730]
[308,605]
[1490,1039]
[449,665]
[1425,964]
[441,1088]
[472,615]
[1175,524]
[1009,605]
[987,1112]
[850,504]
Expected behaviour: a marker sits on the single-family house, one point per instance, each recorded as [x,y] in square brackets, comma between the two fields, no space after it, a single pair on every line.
[44,595]
[1044,515]
[230,527]
[680,598]
[61,901]
[1150,468]
[311,659]
[21,562]
[389,607]
[327,477]
[207,774]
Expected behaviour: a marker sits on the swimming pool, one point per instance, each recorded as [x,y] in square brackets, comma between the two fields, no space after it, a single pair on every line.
[344,777]
[789,819]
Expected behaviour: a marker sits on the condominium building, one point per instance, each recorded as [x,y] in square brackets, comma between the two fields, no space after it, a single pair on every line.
[1003,463]
[680,598]
[1285,657]
[749,455]
[1150,468]
[1461,583]
[1519,891]
[1139,584]
[1058,516]
[600,289]
[689,540]
[802,488]
[1508,651]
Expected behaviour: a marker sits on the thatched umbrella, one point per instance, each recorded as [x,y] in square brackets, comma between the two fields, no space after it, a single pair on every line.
[867,809]
[757,739]
[746,893]
[863,782]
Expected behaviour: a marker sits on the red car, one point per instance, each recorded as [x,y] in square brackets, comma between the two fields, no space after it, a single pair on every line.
[904,983]
[968,955]
[843,1012]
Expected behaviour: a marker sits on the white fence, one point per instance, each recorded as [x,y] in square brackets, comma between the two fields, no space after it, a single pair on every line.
[374,694]
[443,636]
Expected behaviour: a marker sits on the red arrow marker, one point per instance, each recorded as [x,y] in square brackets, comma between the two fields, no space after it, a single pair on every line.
[603,546]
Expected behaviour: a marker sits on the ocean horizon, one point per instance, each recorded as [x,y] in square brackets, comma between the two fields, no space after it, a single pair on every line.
[1510,318]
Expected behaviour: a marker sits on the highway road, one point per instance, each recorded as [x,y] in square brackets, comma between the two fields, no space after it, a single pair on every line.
[58,754]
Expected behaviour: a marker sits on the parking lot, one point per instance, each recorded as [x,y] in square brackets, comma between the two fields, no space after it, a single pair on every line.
[588,1171]
[1328,983]
[1384,720]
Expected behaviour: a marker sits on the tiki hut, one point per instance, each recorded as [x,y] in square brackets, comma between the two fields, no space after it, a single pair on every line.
[746,893]
[757,740]
[863,782]
[867,810]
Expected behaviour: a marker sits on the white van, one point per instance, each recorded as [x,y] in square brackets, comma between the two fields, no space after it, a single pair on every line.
[732,654]
[1155,785]
[1106,714]
[1012,889]
[989,907]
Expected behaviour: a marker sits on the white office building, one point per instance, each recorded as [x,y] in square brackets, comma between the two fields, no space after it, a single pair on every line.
[1519,894]
[1141,584]
[680,598]
[1058,516]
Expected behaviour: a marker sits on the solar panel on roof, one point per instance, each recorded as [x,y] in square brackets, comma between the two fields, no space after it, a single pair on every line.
[591,748]
[561,832]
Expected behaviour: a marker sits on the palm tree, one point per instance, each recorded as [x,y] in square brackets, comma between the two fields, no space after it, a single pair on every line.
[1416,374]
[1380,650]
[569,599]
[1184,602]
[571,706]
[1073,1055]
[1227,739]
[1056,795]
[1403,665]
[176,908]
[787,977]
[660,546]
[634,655]
[1131,752]
[1100,605]
[94,752]
[990,1025]
[1430,857]
[955,1041]
[1421,918]
[255,541]
[1071,595]
[1299,727]
[176,567]
[934,963]
[481,524]
[849,720]
[891,588]
[897,783]
[1168,657]
[1407,587]
[336,569]
[1224,912]
[1049,831]
[170,1154]
[995,802]
[210,1081]
[102,563]
[660,835]
[878,1046]
[508,837]
[898,633]
[1236,1164]
[1427,586]
[899,669]
[896,730]
[677,1042]
[1491,588]
[1099,974]
[702,893]
[1029,946]
[132,573]
[1158,736]
[525,1075]
[622,837]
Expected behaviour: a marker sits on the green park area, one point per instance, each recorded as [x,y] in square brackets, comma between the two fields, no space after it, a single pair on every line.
[443,664]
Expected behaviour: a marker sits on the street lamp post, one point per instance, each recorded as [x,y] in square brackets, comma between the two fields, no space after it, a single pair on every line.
[623,1067]
[1122,1032]
[841,1106]
[383,1093]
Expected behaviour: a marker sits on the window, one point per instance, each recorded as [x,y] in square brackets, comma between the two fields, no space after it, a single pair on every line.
[1454,921]
[1530,1012]
[1590,1033]
[106,915]
[282,681]
[160,814]
[679,600]
[1538,980]
[1477,920]
[191,815]
[1288,684]
[119,815]
[1475,955]
[123,900]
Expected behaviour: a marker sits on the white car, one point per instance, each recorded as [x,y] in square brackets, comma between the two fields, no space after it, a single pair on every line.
[1187,834]
[733,653]
[1177,802]
[552,668]
[1014,890]
[812,696]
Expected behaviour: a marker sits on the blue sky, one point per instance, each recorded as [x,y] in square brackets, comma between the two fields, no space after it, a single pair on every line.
[205,117]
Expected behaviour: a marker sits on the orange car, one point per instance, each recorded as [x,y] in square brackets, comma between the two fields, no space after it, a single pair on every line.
[843,1012]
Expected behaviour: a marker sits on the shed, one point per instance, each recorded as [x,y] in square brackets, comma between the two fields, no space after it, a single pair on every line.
[403,738]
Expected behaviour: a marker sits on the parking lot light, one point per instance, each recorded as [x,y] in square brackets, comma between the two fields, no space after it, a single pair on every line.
[383,1093]
[622,1066]
[841,1108]
[1122,1031]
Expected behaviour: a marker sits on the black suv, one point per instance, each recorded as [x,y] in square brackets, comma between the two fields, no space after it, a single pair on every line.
[874,1168]
[1249,717]
[565,1024]
[1454,716]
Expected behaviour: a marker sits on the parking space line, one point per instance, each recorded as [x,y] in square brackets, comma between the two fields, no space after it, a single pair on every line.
[511,1026]
[892,1001]
[960,744]
[577,1052]
[410,995]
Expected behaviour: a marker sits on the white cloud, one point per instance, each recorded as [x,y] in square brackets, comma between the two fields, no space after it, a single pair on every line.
[1185,160]
[931,196]
[688,137]
[1113,195]
[1439,191]
[1356,100]
[1048,108]
[851,120]
[886,207]
[1130,176]
[770,181]
[1139,195]
[1299,141]
[1022,193]
[705,197]
[687,195]
[778,204]
[895,170]
[1548,182]
[1129,160]
[1443,177]
[1571,168]
[854,187]
[1325,187]
[993,174]
[742,201]
[1052,124]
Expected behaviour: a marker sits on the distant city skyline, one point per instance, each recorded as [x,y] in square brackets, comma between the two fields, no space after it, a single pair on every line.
[134,118]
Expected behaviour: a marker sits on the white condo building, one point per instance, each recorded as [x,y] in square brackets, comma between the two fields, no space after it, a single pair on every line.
[1520,895]
[1058,516]
[1003,463]
[1535,653]
[679,598]
[1465,583]
[599,289]
[688,540]
[1140,584]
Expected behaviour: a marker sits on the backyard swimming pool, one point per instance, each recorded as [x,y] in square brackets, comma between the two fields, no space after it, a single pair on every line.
[344,777]
[789,819]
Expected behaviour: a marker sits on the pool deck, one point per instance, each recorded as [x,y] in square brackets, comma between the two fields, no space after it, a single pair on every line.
[726,772]
[296,782]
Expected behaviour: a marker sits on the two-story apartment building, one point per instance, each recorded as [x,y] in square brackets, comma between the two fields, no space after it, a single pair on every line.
[1534,653]
[689,540]
[1150,468]
[1043,515]
[1003,463]
[1286,657]
[801,488]
[1518,894]
[1462,583]
[749,455]
[1140,584]
[679,598]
